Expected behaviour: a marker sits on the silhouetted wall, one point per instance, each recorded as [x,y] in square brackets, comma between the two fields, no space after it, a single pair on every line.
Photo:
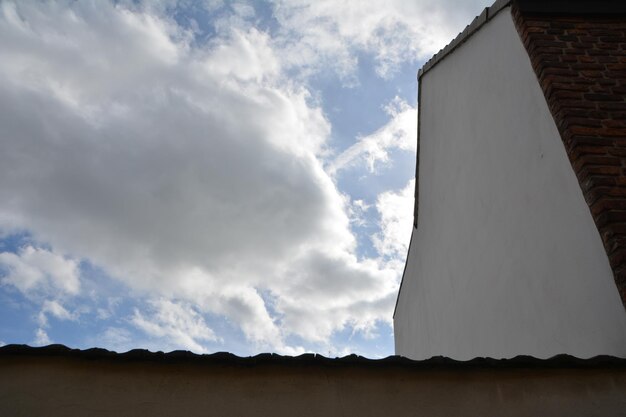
[67,386]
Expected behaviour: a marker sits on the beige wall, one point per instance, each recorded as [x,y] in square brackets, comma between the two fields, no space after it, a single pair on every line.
[44,386]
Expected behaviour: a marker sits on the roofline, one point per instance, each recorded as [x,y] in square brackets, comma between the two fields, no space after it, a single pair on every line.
[572,7]
[221,359]
[560,7]
[478,22]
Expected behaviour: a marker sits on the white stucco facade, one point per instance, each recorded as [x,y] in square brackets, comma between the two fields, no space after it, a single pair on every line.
[506,259]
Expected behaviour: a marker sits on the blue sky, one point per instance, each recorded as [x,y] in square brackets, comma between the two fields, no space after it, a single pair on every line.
[210,176]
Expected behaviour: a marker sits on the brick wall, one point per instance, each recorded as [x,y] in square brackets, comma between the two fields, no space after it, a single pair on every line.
[580,62]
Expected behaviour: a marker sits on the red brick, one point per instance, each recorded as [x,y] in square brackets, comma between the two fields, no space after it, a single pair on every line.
[607,59]
[601,170]
[605,81]
[604,204]
[616,132]
[568,87]
[587,59]
[593,141]
[615,74]
[562,25]
[614,123]
[588,182]
[612,106]
[537,24]
[591,150]
[574,51]
[582,121]
[592,74]
[611,216]
[561,71]
[592,67]
[612,39]
[581,45]
[563,94]
[603,97]
[587,131]
[551,31]
[577,104]
[598,161]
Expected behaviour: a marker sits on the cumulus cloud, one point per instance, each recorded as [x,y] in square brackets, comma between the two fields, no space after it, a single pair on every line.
[41,338]
[400,132]
[327,33]
[55,309]
[178,323]
[189,172]
[357,211]
[36,271]
[115,338]
[396,213]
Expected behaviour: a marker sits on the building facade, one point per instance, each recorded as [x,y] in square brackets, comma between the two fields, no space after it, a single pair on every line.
[518,239]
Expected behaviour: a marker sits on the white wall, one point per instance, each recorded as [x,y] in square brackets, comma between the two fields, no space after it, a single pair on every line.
[506,259]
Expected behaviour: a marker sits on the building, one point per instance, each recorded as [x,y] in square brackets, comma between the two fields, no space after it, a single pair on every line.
[519,235]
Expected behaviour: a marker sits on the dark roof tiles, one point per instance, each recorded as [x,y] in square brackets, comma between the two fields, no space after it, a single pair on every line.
[307,359]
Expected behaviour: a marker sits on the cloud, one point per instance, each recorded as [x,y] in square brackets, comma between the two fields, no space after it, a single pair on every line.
[327,33]
[55,309]
[400,132]
[41,338]
[396,221]
[190,172]
[116,338]
[177,323]
[357,211]
[37,271]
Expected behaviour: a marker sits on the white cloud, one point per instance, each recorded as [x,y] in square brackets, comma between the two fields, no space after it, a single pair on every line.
[357,210]
[105,312]
[117,339]
[396,221]
[177,323]
[400,132]
[328,33]
[55,309]
[39,271]
[189,172]
[41,338]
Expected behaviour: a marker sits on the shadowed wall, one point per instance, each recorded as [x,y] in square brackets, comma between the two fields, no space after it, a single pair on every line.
[147,384]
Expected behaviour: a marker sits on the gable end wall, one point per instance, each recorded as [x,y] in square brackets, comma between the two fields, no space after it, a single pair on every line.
[506,259]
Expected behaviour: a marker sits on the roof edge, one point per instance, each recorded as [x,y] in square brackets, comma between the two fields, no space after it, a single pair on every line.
[561,361]
[571,7]
[479,21]
[560,7]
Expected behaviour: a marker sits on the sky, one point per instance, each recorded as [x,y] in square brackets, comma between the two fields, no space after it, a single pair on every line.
[210,175]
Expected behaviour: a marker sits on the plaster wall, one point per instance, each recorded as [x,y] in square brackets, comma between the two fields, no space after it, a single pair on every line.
[65,387]
[506,258]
